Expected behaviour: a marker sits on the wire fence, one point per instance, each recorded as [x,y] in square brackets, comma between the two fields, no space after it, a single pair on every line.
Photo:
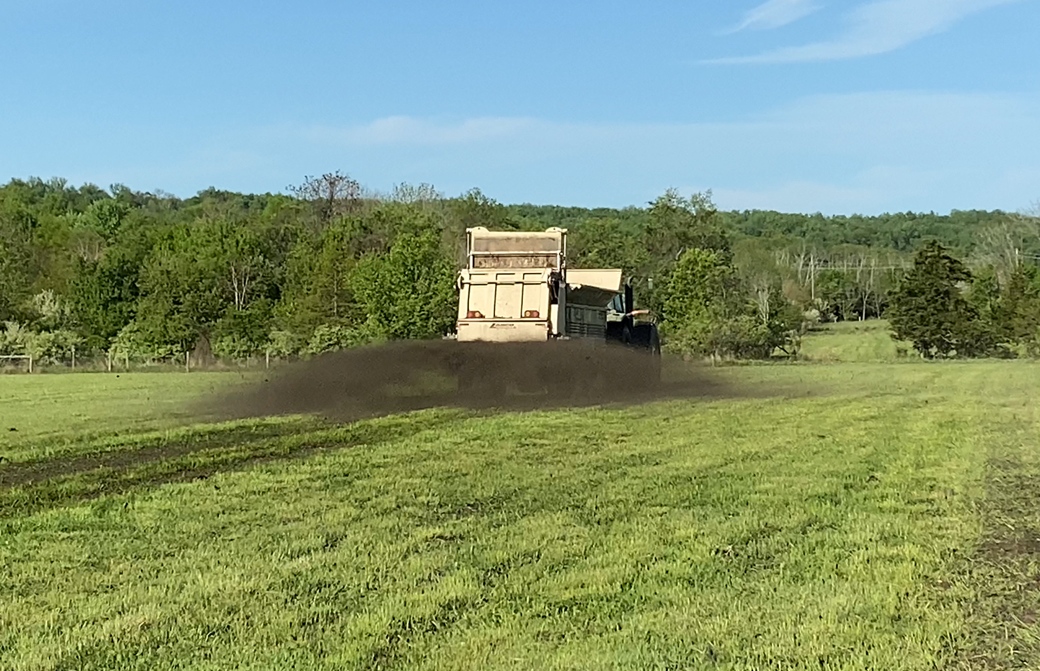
[122,363]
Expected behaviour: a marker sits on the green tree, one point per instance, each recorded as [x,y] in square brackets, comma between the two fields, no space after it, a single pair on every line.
[317,285]
[17,261]
[470,210]
[930,310]
[607,243]
[180,297]
[838,294]
[200,275]
[986,297]
[103,296]
[106,216]
[1016,317]
[710,311]
[700,301]
[474,208]
[674,225]
[242,332]
[410,292]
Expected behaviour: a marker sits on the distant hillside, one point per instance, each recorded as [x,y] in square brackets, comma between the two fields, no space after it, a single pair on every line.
[903,231]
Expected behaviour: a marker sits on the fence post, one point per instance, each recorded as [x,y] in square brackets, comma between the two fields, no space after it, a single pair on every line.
[30,364]
[187,362]
[73,357]
[110,361]
[267,359]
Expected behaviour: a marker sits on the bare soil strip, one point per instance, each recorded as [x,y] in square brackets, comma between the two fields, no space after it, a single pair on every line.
[183,463]
[1005,573]
[136,453]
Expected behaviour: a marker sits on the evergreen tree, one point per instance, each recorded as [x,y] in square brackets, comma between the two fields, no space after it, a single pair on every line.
[1017,314]
[930,310]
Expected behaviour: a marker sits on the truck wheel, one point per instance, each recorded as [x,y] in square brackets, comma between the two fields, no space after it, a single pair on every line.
[655,341]
[655,355]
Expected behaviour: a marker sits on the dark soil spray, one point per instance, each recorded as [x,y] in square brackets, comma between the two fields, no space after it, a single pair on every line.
[413,375]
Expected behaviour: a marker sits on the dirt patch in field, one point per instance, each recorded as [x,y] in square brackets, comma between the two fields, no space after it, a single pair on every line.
[30,488]
[1005,573]
[405,376]
[135,454]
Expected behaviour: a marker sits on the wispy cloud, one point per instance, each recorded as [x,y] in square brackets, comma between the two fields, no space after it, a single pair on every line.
[409,130]
[774,14]
[863,152]
[878,27]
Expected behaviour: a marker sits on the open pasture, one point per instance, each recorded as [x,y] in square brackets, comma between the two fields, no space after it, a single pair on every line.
[859,516]
[855,342]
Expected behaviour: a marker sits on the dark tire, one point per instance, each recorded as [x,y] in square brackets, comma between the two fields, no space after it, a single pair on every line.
[654,341]
[647,340]
[645,336]
[655,354]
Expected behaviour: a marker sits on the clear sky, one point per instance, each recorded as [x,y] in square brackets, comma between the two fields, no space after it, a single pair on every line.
[862,106]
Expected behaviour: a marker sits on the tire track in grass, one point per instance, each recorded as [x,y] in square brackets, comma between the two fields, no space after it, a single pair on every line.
[183,463]
[1002,578]
[141,450]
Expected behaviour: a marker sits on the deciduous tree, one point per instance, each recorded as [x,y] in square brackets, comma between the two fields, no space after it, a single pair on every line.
[410,292]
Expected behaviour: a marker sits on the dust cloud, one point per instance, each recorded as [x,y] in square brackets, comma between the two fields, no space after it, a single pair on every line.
[405,376]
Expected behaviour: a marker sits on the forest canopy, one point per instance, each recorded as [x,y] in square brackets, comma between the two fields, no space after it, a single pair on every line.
[331,264]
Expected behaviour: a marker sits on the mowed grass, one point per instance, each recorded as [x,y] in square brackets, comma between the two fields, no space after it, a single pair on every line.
[866,341]
[834,519]
[42,415]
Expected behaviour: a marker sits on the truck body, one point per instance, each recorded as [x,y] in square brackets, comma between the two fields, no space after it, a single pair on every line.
[517,287]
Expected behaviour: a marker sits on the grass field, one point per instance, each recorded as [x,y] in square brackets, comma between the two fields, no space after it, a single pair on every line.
[42,415]
[842,516]
[864,342]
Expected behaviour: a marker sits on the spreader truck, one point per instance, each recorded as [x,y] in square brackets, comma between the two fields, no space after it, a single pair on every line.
[517,290]
[518,287]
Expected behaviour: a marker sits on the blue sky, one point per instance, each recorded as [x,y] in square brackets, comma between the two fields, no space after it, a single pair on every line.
[796,105]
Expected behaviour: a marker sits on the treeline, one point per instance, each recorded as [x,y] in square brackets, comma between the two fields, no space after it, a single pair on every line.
[331,265]
[900,232]
[946,310]
[151,276]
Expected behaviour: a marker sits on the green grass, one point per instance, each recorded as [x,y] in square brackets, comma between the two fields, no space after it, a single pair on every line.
[42,415]
[868,341]
[842,517]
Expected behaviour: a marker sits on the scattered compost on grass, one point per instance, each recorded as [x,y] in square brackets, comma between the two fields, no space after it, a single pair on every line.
[405,376]
[401,377]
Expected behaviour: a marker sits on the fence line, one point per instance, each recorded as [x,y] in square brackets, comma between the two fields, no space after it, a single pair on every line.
[24,357]
[122,362]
